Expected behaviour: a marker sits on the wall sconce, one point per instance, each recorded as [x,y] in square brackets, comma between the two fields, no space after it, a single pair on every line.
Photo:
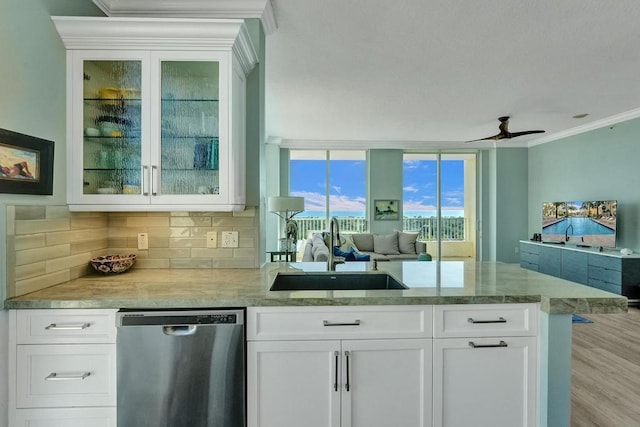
[286,208]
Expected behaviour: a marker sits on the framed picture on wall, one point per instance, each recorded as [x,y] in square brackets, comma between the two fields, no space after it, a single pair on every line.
[386,209]
[26,164]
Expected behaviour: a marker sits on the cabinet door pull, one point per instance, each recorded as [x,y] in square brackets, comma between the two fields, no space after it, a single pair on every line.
[68,327]
[354,323]
[154,180]
[347,386]
[500,344]
[499,320]
[145,180]
[335,382]
[58,377]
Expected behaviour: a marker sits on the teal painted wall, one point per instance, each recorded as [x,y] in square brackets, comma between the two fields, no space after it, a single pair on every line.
[384,170]
[597,165]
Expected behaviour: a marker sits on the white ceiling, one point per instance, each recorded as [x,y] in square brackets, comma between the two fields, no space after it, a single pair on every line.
[440,72]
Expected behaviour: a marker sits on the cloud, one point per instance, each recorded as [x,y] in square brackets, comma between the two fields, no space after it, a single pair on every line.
[411,189]
[337,189]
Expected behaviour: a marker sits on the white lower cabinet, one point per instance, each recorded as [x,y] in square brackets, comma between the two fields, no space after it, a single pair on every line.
[337,382]
[486,375]
[63,368]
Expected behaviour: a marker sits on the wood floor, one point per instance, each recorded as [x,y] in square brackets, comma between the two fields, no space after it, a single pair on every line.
[606,371]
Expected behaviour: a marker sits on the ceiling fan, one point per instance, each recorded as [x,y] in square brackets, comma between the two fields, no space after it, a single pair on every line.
[504,131]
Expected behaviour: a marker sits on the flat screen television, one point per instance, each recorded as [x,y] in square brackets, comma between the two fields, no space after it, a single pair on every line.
[583,223]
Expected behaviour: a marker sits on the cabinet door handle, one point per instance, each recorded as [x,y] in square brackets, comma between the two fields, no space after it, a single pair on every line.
[335,382]
[146,178]
[354,323]
[154,180]
[500,344]
[68,327]
[498,320]
[347,386]
[57,377]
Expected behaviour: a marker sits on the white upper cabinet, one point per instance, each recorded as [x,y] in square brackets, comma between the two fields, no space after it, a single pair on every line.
[156,113]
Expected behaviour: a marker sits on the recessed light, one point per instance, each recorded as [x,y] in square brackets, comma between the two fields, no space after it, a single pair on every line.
[580,116]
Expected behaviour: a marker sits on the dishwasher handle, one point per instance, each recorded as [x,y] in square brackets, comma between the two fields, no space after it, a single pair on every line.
[179,330]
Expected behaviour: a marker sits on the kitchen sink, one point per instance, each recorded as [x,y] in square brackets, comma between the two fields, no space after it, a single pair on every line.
[332,281]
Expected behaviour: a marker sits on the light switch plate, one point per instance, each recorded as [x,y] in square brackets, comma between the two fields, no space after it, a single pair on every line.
[229,239]
[212,239]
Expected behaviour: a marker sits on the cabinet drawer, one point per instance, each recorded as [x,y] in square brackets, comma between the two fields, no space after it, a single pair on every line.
[529,258]
[66,375]
[284,323]
[65,326]
[489,320]
[605,275]
[606,286]
[604,261]
[76,417]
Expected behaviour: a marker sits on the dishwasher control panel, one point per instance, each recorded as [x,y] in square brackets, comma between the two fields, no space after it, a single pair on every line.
[204,317]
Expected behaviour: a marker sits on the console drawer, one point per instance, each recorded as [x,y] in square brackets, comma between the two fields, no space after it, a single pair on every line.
[284,323]
[76,417]
[65,326]
[66,375]
[486,320]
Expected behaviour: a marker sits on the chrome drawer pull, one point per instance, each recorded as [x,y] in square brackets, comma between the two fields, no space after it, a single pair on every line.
[500,320]
[347,385]
[335,383]
[354,323]
[57,377]
[500,344]
[68,327]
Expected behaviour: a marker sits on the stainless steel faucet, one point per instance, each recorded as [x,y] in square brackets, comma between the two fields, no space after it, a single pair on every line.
[334,236]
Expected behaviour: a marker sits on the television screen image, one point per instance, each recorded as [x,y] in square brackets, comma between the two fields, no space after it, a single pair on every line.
[587,223]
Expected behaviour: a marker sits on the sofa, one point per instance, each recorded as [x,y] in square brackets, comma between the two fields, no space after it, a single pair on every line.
[396,246]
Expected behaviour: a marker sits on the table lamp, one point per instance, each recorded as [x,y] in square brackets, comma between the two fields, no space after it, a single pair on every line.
[286,208]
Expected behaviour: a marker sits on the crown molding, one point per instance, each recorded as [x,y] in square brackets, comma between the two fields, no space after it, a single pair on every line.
[158,34]
[218,9]
[607,121]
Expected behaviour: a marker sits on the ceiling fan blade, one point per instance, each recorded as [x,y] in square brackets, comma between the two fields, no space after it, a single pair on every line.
[490,138]
[526,132]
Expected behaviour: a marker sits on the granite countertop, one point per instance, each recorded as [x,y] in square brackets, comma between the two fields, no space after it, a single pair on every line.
[449,282]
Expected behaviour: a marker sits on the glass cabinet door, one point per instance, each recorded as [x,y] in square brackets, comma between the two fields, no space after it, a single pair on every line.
[189,152]
[112,118]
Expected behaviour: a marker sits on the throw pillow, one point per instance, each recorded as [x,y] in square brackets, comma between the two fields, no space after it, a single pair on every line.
[363,241]
[346,243]
[386,244]
[407,242]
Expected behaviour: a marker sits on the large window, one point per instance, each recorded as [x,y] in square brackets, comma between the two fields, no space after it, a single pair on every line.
[439,200]
[333,183]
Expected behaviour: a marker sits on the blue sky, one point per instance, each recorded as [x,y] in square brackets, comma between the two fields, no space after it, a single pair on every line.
[347,186]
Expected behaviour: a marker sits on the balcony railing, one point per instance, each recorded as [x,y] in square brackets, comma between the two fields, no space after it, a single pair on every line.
[452,228]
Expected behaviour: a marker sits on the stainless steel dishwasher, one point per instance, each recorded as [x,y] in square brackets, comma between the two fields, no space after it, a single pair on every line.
[181,368]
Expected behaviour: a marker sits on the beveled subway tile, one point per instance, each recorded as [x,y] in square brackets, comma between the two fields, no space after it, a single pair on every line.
[234,263]
[126,214]
[91,245]
[24,212]
[125,232]
[159,231]
[152,263]
[30,241]
[211,214]
[120,242]
[42,254]
[53,211]
[158,242]
[117,222]
[42,225]
[56,238]
[36,283]
[179,213]
[89,222]
[187,242]
[190,263]
[246,237]
[80,271]
[212,252]
[149,221]
[169,253]
[244,253]
[180,231]
[233,222]
[201,231]
[30,270]
[68,262]
[191,221]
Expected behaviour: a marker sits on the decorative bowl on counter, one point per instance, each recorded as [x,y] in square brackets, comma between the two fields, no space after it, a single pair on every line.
[109,264]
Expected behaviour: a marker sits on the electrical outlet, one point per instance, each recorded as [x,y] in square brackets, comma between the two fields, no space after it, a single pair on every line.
[212,239]
[229,239]
[143,241]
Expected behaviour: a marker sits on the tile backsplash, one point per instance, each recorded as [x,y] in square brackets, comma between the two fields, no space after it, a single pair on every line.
[48,245]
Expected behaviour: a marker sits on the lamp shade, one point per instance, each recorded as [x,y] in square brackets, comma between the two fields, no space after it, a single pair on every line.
[285,204]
